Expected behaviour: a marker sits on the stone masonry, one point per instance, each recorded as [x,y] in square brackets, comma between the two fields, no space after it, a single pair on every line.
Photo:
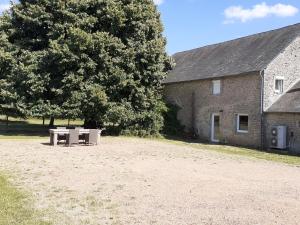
[286,65]
[239,95]
[292,121]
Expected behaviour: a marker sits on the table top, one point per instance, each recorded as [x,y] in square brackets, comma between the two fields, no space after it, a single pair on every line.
[66,131]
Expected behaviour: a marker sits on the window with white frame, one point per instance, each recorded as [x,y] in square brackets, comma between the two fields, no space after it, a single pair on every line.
[279,85]
[242,123]
[216,87]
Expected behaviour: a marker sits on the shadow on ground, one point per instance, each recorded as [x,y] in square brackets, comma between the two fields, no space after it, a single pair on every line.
[24,129]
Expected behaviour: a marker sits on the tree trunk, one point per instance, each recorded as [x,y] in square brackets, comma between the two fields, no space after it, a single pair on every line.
[68,122]
[90,124]
[51,124]
[7,123]
[43,120]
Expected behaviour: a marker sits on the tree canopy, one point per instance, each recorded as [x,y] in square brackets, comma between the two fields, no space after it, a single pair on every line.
[100,60]
[11,102]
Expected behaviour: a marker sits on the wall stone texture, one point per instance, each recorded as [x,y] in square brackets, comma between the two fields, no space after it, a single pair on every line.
[286,65]
[292,121]
[239,95]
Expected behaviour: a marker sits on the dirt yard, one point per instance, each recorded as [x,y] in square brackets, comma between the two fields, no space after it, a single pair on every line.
[135,181]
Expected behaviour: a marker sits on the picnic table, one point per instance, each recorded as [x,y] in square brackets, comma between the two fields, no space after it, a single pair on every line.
[55,132]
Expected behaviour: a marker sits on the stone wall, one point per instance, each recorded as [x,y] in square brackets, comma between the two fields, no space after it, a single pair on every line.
[239,95]
[287,65]
[287,119]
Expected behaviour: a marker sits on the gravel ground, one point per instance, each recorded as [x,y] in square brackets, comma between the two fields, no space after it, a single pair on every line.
[136,181]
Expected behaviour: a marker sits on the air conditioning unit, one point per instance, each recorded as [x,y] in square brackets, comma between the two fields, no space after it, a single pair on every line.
[279,137]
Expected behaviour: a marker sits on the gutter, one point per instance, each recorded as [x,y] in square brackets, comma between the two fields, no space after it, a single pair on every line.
[262,120]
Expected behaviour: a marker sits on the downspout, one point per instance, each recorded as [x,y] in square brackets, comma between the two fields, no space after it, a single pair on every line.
[262,88]
[194,115]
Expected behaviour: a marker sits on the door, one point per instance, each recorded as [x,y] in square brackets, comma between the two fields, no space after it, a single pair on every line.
[215,127]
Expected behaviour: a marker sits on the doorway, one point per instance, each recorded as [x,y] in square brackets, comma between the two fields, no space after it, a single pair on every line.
[215,127]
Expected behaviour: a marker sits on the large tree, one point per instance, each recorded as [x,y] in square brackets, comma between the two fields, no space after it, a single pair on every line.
[11,103]
[103,60]
[38,24]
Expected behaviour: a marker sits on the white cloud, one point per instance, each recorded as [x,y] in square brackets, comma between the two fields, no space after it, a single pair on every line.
[262,10]
[158,2]
[4,7]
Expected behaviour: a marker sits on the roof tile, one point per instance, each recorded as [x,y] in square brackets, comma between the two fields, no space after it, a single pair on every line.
[243,55]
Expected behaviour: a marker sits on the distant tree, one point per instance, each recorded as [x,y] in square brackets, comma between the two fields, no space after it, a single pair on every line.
[11,103]
[38,25]
[103,61]
[121,48]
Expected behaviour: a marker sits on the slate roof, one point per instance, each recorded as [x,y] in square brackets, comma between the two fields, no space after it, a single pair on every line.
[288,102]
[295,88]
[243,55]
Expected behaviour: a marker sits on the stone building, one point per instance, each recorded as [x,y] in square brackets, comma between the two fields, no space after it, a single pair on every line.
[242,92]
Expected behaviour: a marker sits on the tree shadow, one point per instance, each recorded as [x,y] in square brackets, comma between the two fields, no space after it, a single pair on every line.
[23,128]
[19,131]
[46,144]
[20,122]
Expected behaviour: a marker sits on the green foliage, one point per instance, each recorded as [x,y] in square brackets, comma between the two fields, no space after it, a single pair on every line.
[172,126]
[102,61]
[96,99]
[11,103]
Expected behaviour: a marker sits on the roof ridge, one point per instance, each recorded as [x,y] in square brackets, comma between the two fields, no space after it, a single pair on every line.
[238,56]
[236,39]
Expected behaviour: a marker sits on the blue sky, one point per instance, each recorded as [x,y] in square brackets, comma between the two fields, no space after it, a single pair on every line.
[194,23]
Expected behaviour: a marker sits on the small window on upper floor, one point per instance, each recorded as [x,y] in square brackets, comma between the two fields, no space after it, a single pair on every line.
[279,85]
[216,87]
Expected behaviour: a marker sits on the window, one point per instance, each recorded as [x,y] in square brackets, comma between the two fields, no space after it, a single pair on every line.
[216,87]
[279,85]
[242,123]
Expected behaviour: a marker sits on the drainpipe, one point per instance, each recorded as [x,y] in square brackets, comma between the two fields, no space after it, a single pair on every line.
[194,114]
[262,73]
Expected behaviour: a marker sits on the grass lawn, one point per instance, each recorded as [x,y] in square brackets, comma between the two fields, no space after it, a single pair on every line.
[34,129]
[281,157]
[15,208]
[29,129]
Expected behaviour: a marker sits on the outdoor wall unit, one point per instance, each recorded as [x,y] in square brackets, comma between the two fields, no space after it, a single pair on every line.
[279,137]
